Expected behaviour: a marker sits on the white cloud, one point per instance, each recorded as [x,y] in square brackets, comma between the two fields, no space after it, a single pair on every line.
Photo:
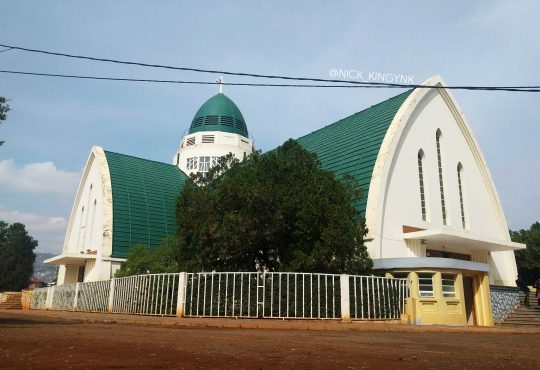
[37,178]
[48,231]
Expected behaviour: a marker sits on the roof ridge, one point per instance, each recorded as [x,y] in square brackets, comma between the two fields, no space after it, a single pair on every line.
[354,114]
[142,159]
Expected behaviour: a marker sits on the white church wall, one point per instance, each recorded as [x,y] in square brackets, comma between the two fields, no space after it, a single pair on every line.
[69,275]
[114,266]
[403,194]
[223,144]
[89,232]
[61,275]
[90,271]
[399,197]
[85,229]
[503,269]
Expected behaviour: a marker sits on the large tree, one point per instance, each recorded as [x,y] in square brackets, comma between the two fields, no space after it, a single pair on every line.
[278,211]
[4,108]
[16,256]
[528,260]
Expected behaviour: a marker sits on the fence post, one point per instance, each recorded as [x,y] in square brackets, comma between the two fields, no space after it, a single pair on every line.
[345,301]
[50,296]
[181,294]
[111,295]
[75,300]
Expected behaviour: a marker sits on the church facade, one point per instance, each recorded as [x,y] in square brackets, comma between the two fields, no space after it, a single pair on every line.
[430,203]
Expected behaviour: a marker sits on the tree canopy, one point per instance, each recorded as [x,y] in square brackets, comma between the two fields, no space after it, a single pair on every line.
[528,260]
[142,259]
[278,211]
[16,256]
[4,108]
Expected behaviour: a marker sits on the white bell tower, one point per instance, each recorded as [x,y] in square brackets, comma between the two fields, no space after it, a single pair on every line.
[217,129]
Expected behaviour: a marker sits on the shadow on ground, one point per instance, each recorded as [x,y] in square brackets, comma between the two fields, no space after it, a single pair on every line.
[13,321]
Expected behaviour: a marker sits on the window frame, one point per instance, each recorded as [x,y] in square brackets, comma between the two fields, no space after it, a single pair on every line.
[461,195]
[192,164]
[204,163]
[208,139]
[444,209]
[423,276]
[445,278]
[422,185]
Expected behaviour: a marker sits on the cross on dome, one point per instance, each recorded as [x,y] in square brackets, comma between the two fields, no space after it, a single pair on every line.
[221,83]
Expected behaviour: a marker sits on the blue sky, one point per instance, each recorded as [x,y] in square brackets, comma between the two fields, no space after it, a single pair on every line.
[54,122]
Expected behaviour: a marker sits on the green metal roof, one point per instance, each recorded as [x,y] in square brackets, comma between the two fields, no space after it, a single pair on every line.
[351,145]
[219,113]
[144,201]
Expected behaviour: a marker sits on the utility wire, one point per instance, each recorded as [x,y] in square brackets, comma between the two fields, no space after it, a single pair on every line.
[188,69]
[381,84]
[180,81]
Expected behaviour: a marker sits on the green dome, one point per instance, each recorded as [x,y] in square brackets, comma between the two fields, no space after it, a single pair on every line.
[219,113]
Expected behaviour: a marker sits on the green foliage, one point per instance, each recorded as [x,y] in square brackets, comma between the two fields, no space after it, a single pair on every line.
[278,212]
[4,108]
[16,256]
[142,259]
[528,260]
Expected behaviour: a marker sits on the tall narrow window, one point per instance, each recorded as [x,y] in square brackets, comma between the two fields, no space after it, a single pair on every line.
[441,181]
[422,188]
[460,187]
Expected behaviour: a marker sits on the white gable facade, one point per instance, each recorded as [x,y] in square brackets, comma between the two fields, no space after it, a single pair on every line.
[433,211]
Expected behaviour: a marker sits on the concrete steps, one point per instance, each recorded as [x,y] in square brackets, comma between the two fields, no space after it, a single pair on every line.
[525,316]
[11,301]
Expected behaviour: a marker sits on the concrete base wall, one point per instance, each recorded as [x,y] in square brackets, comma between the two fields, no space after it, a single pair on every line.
[504,301]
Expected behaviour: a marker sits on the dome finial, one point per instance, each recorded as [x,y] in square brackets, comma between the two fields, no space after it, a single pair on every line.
[221,83]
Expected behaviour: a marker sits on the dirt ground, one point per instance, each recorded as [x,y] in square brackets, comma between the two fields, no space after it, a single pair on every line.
[40,341]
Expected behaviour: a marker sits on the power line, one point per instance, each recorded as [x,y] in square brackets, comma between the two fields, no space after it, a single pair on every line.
[379,86]
[255,75]
[187,69]
[184,82]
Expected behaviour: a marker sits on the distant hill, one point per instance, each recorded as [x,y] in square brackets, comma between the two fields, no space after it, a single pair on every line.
[47,273]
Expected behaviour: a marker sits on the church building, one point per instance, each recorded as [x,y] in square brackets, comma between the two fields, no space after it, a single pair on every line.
[431,207]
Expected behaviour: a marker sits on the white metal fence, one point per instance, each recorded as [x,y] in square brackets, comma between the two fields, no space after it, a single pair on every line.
[153,294]
[377,298]
[270,295]
[235,294]
[93,296]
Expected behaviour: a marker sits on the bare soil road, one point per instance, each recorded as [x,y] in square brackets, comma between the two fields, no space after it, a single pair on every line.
[32,341]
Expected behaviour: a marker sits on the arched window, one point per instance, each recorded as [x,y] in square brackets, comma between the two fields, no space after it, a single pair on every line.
[441,181]
[460,187]
[422,187]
